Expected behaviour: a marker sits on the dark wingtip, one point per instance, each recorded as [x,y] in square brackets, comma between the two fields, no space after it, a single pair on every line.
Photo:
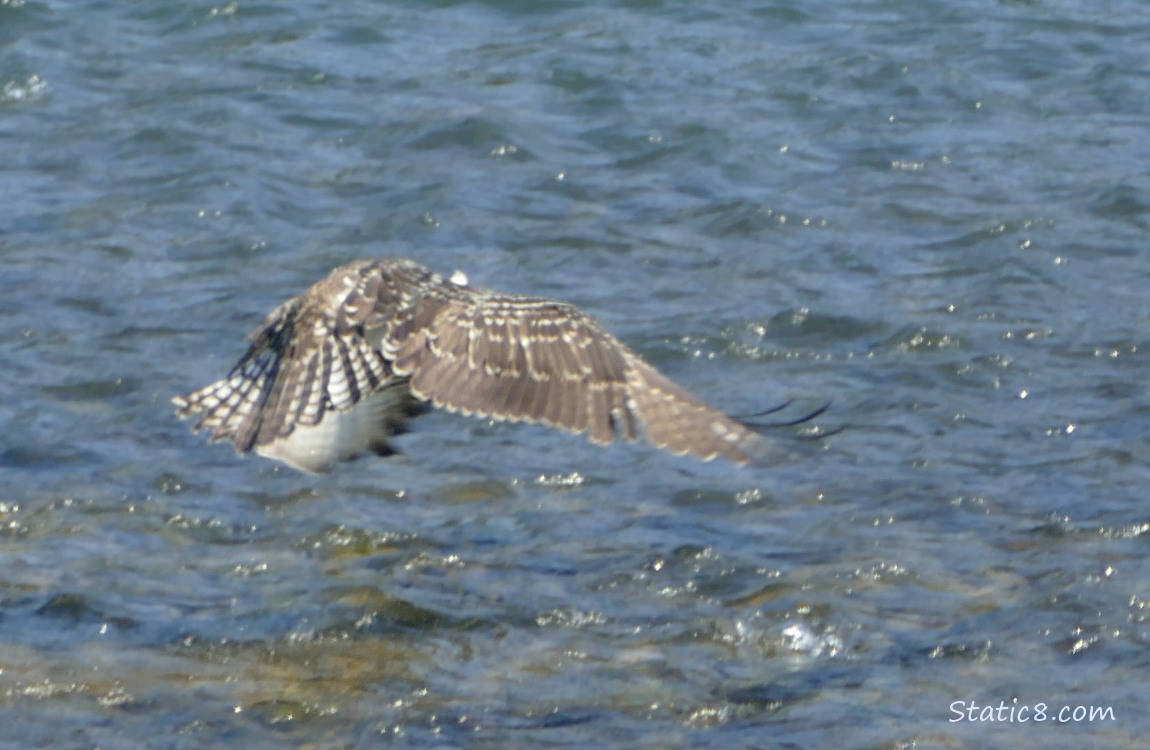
[804,419]
[766,412]
[809,430]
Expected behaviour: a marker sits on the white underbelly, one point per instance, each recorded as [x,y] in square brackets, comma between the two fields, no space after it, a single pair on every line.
[343,435]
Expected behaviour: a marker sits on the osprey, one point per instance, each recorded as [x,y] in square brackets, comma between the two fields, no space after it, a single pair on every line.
[333,373]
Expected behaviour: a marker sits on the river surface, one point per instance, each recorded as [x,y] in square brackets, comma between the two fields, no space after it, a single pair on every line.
[932,215]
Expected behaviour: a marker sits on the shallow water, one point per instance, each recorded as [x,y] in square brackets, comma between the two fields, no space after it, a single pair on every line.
[931,214]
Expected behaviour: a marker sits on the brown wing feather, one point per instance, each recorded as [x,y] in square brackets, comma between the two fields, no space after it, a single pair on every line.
[534,360]
[679,422]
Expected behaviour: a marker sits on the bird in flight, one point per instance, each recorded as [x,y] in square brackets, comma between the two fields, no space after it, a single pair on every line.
[333,373]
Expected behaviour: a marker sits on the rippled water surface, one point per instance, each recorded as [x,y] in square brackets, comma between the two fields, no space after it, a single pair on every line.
[932,214]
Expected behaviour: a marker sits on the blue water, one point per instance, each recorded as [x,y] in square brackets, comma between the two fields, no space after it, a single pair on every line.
[933,215]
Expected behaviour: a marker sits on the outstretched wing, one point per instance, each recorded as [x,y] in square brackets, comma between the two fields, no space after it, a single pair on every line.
[534,360]
[234,408]
[307,364]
